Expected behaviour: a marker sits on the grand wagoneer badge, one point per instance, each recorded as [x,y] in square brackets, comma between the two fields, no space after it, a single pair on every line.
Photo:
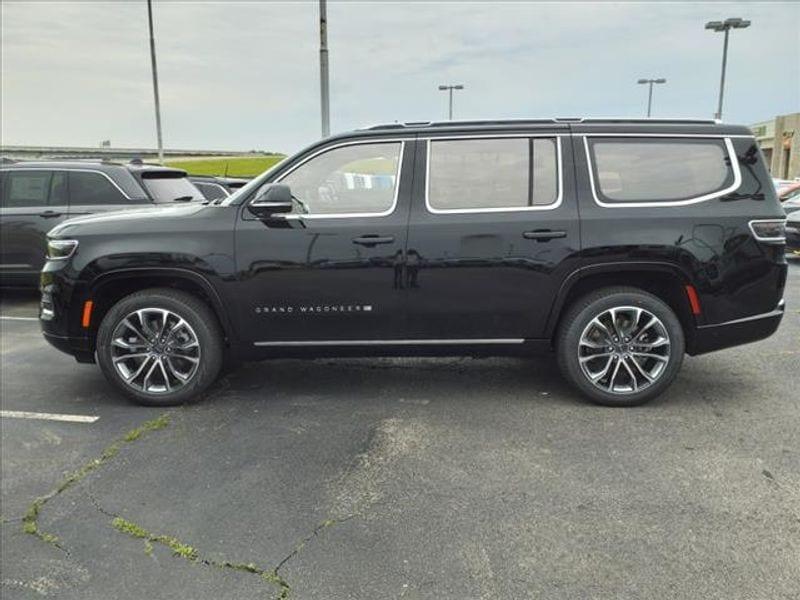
[312,309]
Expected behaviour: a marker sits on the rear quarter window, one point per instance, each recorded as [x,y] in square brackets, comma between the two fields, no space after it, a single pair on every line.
[661,170]
[87,188]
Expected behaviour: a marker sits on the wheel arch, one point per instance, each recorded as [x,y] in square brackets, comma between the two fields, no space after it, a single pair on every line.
[664,280]
[110,287]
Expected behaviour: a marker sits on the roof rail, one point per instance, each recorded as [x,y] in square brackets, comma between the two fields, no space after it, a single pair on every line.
[558,120]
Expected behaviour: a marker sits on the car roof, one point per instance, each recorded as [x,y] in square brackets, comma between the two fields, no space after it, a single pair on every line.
[574,124]
[94,165]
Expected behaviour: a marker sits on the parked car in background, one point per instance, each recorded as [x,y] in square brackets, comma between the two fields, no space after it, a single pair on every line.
[620,244]
[217,188]
[789,195]
[793,234]
[35,196]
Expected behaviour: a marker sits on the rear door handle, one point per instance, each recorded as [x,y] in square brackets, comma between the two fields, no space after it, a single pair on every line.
[543,235]
[373,240]
[49,214]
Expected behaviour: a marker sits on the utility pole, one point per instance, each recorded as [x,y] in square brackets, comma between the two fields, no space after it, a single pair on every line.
[450,88]
[650,82]
[155,81]
[725,27]
[323,69]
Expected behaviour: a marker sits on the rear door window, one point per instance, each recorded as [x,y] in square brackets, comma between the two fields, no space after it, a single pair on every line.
[23,189]
[654,170]
[92,189]
[479,175]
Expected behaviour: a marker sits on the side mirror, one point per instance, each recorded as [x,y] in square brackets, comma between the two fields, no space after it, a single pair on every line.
[273,199]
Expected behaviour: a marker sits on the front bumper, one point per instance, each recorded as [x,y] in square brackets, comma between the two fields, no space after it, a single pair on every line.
[735,333]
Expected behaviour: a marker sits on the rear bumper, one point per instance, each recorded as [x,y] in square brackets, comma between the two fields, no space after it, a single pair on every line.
[734,333]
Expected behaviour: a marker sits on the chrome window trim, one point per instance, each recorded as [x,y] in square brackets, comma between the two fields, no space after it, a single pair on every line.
[70,170]
[361,142]
[450,211]
[737,175]
[390,342]
[760,238]
[670,135]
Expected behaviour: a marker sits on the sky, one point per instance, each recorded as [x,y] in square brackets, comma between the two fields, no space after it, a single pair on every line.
[245,75]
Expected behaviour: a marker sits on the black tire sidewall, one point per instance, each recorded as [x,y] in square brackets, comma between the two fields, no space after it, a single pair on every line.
[585,310]
[197,315]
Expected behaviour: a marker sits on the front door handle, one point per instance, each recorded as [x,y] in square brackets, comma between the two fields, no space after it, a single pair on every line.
[49,214]
[373,240]
[543,235]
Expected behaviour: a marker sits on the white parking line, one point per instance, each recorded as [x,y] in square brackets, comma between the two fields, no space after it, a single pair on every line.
[4,318]
[16,414]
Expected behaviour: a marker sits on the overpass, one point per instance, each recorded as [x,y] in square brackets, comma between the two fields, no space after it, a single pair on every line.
[78,153]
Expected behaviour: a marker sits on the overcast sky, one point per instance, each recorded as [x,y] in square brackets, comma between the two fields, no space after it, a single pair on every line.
[246,75]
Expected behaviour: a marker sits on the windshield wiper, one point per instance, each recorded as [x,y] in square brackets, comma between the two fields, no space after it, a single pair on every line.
[183,199]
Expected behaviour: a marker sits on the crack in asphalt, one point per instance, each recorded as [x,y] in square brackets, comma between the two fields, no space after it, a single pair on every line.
[192,554]
[30,521]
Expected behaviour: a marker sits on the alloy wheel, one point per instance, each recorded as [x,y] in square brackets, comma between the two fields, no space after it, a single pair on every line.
[155,351]
[624,350]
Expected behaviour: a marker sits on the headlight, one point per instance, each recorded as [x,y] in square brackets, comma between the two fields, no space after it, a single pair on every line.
[61,249]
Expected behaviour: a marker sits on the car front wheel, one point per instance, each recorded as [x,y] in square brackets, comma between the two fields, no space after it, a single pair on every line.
[160,347]
[620,346]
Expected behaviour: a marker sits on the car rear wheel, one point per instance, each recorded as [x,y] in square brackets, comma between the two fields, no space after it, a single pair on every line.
[160,347]
[620,346]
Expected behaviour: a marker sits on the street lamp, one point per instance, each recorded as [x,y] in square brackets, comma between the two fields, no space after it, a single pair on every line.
[650,82]
[725,26]
[324,85]
[155,82]
[450,89]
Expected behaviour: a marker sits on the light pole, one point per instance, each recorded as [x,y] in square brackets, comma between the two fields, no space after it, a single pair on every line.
[155,81]
[650,82]
[323,69]
[725,26]
[450,89]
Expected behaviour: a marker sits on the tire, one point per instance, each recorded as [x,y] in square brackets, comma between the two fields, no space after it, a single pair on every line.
[586,349]
[190,347]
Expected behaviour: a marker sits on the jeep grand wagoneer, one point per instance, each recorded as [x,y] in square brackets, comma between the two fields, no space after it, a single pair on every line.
[620,245]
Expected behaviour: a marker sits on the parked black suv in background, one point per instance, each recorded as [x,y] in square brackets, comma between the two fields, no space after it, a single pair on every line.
[36,196]
[620,244]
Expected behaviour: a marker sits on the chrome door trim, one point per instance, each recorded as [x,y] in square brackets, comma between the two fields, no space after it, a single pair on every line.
[481,341]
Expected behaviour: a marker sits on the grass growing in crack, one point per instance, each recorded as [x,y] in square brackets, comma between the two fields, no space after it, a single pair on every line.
[132,529]
[191,554]
[30,522]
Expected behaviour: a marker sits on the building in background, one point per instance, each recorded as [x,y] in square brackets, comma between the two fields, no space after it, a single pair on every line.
[779,139]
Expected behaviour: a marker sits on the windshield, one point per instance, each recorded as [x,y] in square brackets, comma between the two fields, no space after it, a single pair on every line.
[251,185]
[170,189]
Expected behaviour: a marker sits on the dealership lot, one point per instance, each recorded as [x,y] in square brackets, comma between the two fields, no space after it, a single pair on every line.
[403,478]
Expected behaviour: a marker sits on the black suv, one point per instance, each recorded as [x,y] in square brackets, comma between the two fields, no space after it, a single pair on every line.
[620,244]
[36,196]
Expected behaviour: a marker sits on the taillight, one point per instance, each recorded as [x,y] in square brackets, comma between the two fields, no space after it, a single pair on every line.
[771,231]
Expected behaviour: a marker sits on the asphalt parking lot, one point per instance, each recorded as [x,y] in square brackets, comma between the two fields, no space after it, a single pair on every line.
[435,478]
